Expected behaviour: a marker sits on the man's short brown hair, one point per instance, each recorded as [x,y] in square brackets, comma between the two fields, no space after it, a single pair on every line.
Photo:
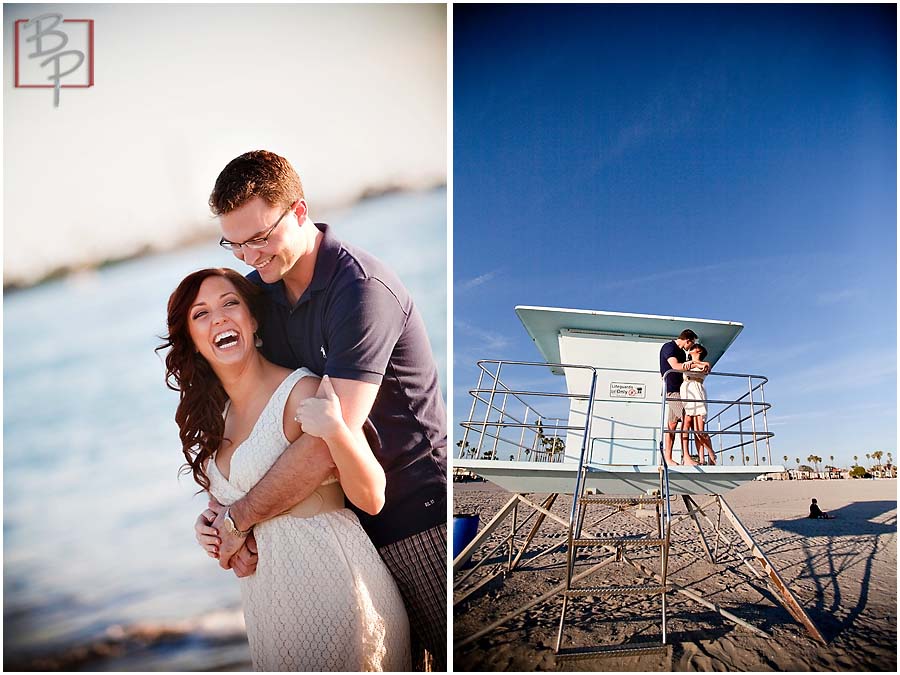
[687,334]
[259,173]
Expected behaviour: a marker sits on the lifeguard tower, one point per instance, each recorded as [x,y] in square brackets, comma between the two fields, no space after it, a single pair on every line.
[600,441]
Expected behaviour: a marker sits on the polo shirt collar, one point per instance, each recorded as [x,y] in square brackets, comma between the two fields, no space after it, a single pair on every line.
[326,260]
[326,264]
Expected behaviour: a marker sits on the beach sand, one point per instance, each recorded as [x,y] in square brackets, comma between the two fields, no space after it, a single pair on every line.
[842,571]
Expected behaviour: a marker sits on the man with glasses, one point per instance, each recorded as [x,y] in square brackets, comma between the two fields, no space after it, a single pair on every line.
[338,311]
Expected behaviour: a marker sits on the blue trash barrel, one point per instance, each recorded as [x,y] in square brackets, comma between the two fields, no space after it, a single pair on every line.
[465,527]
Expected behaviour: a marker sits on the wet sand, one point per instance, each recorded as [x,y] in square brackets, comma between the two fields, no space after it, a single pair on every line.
[843,572]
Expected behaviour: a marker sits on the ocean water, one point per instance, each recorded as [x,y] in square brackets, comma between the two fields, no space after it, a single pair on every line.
[101,570]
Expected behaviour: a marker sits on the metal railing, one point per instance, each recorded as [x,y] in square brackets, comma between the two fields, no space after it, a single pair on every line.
[528,424]
[538,434]
[744,408]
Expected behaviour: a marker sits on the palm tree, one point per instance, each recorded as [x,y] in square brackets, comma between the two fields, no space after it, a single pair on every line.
[731,457]
[831,457]
[747,459]
[868,457]
[785,459]
[890,459]
[814,460]
[878,454]
[855,460]
[466,450]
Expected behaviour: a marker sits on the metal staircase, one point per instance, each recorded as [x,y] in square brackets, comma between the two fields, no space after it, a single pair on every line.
[616,544]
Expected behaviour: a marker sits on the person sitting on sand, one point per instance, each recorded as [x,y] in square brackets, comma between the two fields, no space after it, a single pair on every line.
[816,512]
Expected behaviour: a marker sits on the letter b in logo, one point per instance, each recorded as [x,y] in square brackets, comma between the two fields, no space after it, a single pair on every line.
[54,52]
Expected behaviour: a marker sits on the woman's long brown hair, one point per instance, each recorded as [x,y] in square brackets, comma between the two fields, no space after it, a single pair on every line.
[201,425]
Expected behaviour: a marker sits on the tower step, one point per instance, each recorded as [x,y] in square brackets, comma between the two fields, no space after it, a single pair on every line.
[620,501]
[618,541]
[615,590]
[573,653]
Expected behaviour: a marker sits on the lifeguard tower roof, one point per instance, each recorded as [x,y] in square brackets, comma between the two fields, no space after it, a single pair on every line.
[544,325]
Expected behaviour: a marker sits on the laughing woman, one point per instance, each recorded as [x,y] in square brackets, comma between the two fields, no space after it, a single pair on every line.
[321,598]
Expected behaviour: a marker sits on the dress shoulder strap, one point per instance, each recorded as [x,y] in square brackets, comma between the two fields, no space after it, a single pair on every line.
[280,397]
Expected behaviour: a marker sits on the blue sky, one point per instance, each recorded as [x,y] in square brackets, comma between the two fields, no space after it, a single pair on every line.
[725,162]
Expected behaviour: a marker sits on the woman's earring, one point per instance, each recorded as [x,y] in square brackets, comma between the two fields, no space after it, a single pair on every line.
[258,342]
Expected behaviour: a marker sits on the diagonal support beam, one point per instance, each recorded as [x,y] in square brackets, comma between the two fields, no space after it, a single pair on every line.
[681,590]
[459,599]
[786,597]
[524,608]
[545,510]
[542,514]
[698,509]
[467,552]
[689,504]
[722,535]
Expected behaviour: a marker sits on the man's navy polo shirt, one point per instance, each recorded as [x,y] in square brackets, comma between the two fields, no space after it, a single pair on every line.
[357,321]
[673,381]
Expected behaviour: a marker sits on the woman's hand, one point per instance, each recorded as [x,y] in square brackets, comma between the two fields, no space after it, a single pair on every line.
[321,416]
[207,536]
[244,561]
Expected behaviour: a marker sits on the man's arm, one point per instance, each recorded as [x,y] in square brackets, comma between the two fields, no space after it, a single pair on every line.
[296,474]
[363,326]
[675,365]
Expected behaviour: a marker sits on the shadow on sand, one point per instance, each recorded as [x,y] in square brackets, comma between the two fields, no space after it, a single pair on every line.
[853,539]
[861,514]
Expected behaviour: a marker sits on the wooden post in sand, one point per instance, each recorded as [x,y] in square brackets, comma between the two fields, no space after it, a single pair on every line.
[785,595]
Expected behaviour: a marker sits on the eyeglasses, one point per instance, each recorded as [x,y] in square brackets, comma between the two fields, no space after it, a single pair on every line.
[258,242]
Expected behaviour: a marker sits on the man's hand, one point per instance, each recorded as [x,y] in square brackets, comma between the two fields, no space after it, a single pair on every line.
[244,561]
[229,544]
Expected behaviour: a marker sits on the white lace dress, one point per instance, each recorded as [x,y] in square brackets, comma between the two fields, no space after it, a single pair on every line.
[693,393]
[321,598]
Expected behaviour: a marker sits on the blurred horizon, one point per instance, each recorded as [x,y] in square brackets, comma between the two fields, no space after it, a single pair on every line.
[353,96]
[203,232]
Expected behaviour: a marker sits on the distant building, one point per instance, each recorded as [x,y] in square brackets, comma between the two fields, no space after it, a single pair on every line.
[884,471]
